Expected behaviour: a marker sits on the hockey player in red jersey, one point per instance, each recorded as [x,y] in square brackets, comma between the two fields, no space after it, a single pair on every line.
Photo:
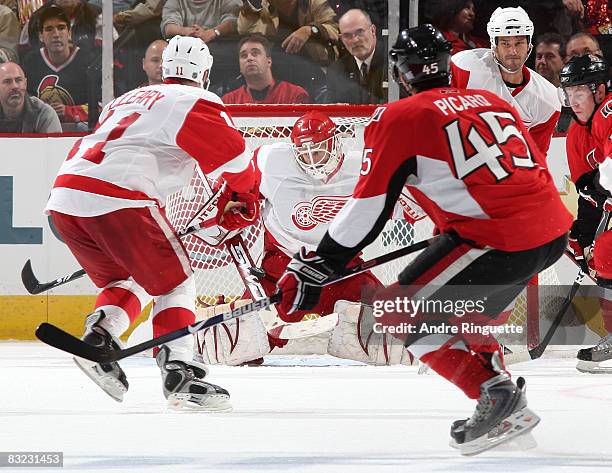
[502,70]
[584,80]
[303,185]
[107,205]
[469,162]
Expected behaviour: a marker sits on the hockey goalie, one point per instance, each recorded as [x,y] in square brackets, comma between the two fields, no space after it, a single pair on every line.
[303,185]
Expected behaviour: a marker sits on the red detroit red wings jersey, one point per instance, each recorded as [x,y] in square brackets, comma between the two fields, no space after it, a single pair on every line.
[146,146]
[468,161]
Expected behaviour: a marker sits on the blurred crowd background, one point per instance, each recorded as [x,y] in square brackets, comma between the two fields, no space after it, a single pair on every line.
[265,51]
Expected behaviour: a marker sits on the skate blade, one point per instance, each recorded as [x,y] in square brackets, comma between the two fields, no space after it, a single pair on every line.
[109,384]
[184,402]
[513,426]
[593,367]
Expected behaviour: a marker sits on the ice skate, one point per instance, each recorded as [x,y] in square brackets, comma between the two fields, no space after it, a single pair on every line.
[184,387]
[501,414]
[109,376]
[589,359]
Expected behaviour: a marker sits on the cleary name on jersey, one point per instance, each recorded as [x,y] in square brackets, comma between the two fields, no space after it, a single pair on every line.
[469,162]
[164,129]
[536,100]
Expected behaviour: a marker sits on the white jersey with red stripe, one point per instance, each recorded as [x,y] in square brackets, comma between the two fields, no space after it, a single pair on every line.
[146,146]
[299,208]
[536,100]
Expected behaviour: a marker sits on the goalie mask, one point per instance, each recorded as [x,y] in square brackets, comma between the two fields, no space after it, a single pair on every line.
[187,58]
[421,58]
[315,145]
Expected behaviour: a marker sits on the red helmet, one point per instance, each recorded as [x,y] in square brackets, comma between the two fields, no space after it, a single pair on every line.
[315,145]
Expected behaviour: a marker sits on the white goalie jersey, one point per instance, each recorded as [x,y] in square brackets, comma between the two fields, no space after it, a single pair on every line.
[298,207]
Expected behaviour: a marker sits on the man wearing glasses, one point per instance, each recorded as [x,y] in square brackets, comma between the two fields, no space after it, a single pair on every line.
[358,77]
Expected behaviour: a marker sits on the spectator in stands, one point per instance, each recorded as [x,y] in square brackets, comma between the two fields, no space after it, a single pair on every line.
[580,44]
[20,113]
[9,30]
[152,62]
[306,27]
[83,21]
[206,20]
[377,9]
[550,55]
[358,77]
[256,69]
[141,12]
[56,72]
[455,18]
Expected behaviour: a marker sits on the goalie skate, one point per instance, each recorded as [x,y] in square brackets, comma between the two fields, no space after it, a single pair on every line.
[109,376]
[184,387]
[501,415]
[590,359]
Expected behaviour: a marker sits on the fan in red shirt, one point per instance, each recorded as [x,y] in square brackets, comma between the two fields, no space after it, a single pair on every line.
[456,21]
[469,162]
[261,87]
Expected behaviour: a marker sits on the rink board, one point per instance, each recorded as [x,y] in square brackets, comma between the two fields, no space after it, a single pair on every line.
[27,171]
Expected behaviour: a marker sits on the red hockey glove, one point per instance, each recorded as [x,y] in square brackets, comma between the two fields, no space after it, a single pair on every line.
[300,285]
[236,210]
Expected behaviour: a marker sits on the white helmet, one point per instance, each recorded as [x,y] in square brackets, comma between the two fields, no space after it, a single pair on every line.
[186,58]
[509,22]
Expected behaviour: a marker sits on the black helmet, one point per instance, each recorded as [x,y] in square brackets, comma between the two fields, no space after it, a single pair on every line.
[587,69]
[422,56]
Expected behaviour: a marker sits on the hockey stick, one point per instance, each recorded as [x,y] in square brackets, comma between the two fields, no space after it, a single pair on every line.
[537,351]
[276,327]
[58,338]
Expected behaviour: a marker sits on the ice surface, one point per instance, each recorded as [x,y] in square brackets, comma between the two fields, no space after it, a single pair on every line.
[339,418]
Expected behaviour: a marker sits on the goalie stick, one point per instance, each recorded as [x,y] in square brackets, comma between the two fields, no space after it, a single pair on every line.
[58,338]
[537,351]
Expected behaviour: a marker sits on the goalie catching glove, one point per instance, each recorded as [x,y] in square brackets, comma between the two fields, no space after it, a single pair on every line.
[236,210]
[300,285]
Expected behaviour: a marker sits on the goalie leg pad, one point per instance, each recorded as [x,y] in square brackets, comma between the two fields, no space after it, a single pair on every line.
[354,338]
[233,342]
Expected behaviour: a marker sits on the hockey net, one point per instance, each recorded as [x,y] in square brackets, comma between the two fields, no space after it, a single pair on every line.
[217,278]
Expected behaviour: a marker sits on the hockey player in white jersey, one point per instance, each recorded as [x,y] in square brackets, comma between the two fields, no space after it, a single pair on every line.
[304,184]
[502,70]
[107,205]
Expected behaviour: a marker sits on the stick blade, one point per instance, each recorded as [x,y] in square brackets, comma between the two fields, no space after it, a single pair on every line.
[28,279]
[58,338]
